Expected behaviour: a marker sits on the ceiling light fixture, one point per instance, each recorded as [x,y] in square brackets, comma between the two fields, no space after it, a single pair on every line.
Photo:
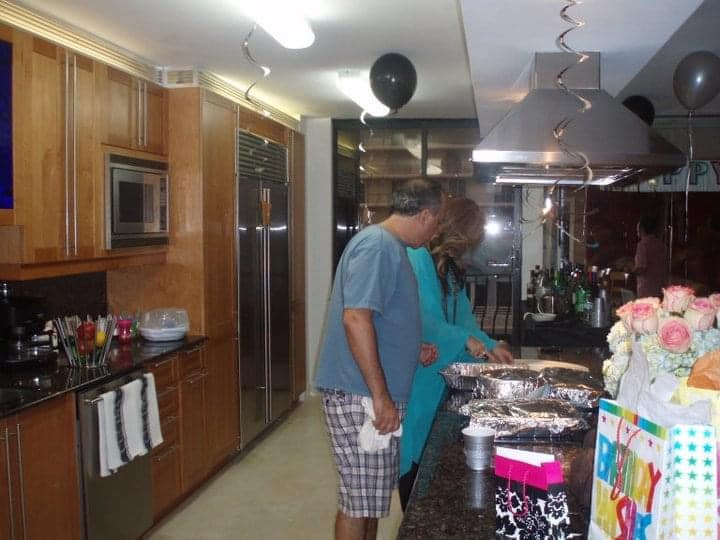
[282,20]
[356,86]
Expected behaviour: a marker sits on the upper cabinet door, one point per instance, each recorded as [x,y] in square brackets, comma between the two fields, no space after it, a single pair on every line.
[42,187]
[88,161]
[154,113]
[120,108]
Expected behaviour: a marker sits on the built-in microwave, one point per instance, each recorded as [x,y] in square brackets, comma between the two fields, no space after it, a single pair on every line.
[136,202]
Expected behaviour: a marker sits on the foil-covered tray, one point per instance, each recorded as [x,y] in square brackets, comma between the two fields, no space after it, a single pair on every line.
[579,388]
[509,384]
[520,419]
[465,376]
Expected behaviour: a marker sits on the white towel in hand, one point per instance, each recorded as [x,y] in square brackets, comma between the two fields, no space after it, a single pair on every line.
[370,439]
[153,419]
[109,450]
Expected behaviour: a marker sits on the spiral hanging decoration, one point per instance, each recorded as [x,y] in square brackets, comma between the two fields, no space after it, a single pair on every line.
[691,151]
[559,129]
[250,58]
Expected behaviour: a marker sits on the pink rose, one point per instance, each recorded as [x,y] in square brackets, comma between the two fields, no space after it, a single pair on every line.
[677,298]
[700,314]
[715,300]
[652,300]
[625,315]
[643,318]
[674,334]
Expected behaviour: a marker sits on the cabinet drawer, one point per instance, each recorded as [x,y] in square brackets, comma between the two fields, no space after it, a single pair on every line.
[191,362]
[166,480]
[164,373]
[168,402]
[170,433]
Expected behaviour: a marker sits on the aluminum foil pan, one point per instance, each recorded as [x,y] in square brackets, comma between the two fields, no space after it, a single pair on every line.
[465,376]
[509,384]
[535,418]
[577,387]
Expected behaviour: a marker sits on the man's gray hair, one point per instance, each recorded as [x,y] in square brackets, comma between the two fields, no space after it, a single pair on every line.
[410,197]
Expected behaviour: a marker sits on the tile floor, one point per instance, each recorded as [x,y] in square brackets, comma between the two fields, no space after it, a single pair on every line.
[283,488]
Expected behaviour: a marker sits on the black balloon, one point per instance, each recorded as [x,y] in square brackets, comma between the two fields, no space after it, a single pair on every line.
[642,107]
[393,80]
[697,79]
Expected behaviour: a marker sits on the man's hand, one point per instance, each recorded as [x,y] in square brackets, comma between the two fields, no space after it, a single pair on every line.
[501,354]
[387,418]
[475,347]
[428,354]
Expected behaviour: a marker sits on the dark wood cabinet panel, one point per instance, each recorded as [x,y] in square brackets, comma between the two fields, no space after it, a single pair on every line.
[222,400]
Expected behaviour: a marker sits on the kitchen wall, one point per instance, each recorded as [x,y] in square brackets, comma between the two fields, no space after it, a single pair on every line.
[319,238]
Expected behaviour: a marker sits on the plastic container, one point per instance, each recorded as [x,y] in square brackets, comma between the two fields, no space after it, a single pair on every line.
[166,324]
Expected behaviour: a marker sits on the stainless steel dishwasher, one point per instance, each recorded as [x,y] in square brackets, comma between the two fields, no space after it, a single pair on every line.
[119,506]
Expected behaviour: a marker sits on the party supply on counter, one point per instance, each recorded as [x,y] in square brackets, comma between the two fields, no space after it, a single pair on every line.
[530,498]
[86,343]
[479,446]
[166,324]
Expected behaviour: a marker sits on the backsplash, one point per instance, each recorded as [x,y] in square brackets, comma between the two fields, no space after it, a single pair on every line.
[81,294]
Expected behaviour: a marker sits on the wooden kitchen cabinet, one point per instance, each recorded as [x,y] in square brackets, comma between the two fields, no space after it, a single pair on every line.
[193,436]
[40,497]
[167,488]
[55,213]
[223,420]
[134,112]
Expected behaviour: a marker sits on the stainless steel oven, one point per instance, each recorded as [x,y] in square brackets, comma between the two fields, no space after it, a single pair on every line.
[136,202]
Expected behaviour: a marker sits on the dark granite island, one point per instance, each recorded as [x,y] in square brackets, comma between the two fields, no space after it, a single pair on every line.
[449,500]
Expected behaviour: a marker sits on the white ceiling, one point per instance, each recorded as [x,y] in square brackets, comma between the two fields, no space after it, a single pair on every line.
[501,36]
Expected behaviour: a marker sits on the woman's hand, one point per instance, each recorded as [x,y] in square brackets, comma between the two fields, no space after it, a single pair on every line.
[475,347]
[501,354]
[428,354]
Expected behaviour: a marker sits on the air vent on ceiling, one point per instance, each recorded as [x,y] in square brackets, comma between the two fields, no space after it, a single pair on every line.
[178,77]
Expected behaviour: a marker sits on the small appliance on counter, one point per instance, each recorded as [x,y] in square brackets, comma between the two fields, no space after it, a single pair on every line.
[23,340]
[165,324]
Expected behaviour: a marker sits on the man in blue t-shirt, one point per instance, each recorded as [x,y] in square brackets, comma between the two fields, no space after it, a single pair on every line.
[371,346]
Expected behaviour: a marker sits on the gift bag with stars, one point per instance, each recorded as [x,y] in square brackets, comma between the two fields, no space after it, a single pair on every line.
[652,482]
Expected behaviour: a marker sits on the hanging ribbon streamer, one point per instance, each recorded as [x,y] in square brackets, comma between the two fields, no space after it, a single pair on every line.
[687,187]
[250,58]
[559,129]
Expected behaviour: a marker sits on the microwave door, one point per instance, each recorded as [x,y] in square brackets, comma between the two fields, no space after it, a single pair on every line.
[151,203]
[128,201]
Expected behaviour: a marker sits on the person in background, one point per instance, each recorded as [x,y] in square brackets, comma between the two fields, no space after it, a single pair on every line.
[371,347]
[651,259]
[447,321]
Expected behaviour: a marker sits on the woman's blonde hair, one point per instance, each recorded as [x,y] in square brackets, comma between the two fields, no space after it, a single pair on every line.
[461,228]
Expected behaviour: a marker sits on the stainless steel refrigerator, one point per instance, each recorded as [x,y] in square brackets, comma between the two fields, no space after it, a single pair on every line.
[263,283]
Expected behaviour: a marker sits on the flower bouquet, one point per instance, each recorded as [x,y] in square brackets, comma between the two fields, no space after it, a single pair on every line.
[673,333]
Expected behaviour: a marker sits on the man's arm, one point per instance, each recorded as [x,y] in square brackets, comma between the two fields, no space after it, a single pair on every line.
[640,259]
[362,340]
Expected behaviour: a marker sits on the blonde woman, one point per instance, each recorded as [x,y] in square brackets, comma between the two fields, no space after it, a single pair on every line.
[447,322]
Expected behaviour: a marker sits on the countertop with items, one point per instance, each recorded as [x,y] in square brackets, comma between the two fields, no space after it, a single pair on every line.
[449,500]
[24,387]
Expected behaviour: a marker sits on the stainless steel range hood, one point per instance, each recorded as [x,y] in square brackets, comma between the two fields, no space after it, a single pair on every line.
[620,147]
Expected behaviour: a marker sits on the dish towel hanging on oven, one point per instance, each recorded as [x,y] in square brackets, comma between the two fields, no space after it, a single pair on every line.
[128,423]
[111,434]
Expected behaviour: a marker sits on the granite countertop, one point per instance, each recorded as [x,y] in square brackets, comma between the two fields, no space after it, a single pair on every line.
[23,387]
[449,500]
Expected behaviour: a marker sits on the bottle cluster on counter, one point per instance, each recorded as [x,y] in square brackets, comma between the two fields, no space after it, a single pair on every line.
[570,291]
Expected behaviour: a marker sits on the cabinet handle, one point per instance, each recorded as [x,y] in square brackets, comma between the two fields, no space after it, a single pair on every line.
[145,120]
[165,454]
[67,154]
[22,480]
[9,479]
[197,378]
[137,111]
[167,391]
[74,157]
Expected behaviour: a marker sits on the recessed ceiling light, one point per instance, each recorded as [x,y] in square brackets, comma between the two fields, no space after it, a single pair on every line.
[282,20]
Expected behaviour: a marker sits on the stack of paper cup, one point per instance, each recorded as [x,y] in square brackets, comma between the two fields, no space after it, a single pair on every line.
[479,442]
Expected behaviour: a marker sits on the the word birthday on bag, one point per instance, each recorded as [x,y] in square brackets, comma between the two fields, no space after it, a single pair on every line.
[631,507]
